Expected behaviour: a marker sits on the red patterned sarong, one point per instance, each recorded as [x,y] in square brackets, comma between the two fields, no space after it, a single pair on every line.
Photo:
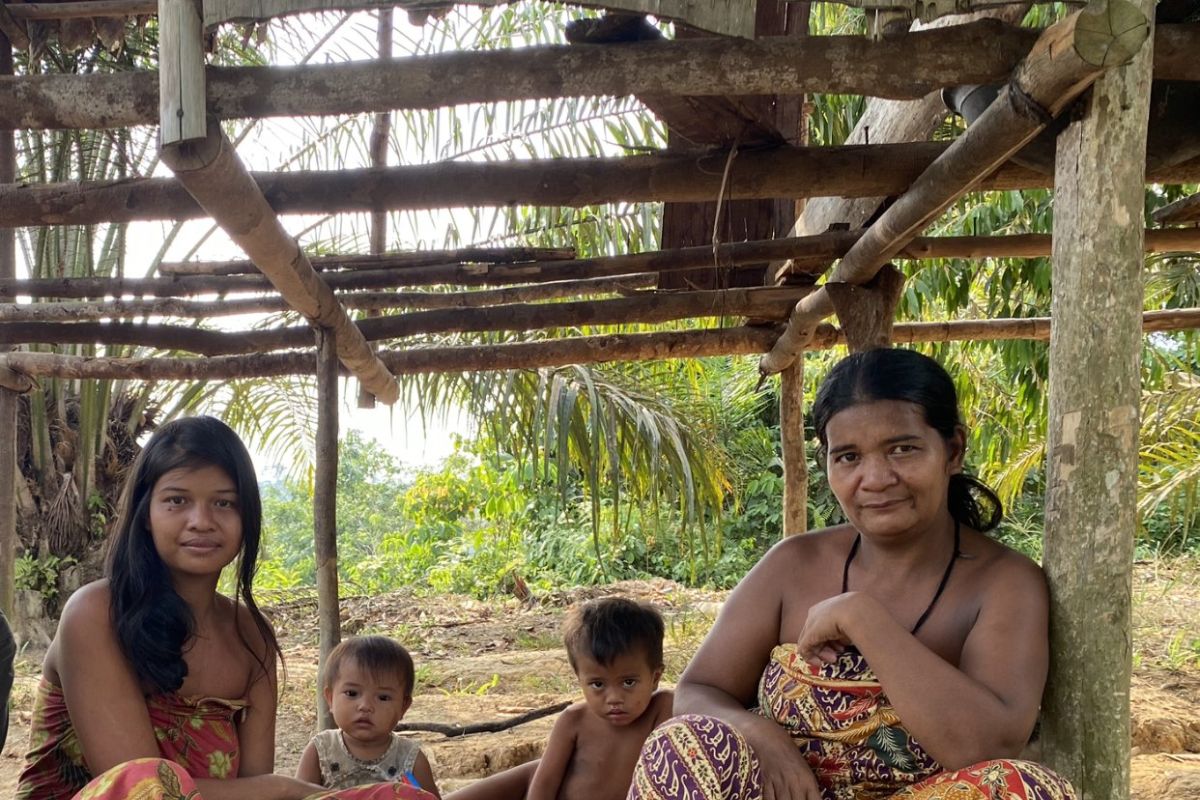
[847,731]
[197,738]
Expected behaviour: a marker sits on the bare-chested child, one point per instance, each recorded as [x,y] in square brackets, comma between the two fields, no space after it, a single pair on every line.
[615,647]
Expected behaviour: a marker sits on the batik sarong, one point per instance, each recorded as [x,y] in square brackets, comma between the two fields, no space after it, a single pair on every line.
[197,738]
[159,779]
[845,728]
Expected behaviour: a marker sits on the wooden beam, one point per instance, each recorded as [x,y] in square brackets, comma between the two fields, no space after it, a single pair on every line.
[1180,212]
[557,352]
[856,171]
[181,93]
[1066,59]
[214,174]
[903,67]
[1092,442]
[9,474]
[86,9]
[794,449]
[646,308]
[64,311]
[729,17]
[561,278]
[325,476]
[417,258]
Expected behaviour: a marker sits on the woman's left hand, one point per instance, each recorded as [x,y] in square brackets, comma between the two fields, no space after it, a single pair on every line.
[826,631]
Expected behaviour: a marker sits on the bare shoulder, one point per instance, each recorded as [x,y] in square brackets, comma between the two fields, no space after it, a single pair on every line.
[662,706]
[808,551]
[248,629]
[88,612]
[997,569]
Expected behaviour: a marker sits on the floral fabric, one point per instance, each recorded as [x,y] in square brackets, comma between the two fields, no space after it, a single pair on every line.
[847,731]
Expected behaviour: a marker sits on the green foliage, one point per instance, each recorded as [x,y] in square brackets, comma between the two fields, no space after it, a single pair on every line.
[40,574]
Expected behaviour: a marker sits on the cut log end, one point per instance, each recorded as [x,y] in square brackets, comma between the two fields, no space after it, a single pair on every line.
[1109,33]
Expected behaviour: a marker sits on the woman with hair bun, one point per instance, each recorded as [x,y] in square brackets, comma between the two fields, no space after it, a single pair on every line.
[901,654]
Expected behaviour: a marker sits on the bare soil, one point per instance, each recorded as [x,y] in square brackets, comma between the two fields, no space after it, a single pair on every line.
[480,661]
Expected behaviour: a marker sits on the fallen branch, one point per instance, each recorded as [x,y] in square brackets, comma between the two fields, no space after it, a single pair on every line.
[481,727]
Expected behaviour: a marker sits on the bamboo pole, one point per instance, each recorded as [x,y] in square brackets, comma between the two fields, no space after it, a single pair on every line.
[853,171]
[64,311]
[551,353]
[418,258]
[325,474]
[563,278]
[1066,59]
[904,67]
[9,474]
[213,173]
[1092,442]
[764,302]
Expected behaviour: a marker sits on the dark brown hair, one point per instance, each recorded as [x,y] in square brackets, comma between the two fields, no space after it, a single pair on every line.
[377,655]
[609,627]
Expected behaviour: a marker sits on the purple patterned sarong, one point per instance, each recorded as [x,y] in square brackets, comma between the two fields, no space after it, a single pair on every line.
[847,731]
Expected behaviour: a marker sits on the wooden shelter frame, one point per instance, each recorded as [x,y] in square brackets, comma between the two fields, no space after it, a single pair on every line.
[1109,51]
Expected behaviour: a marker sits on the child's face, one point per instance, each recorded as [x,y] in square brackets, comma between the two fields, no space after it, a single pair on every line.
[620,691]
[366,706]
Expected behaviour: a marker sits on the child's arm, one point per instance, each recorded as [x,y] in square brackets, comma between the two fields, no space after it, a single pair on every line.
[664,706]
[552,768]
[424,775]
[310,766]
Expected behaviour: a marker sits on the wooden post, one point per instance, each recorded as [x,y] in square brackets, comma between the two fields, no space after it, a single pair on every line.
[8,398]
[325,509]
[1095,390]
[795,461]
[181,93]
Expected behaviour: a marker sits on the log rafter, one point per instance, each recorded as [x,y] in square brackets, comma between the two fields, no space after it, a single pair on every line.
[530,355]
[649,307]
[851,171]
[903,67]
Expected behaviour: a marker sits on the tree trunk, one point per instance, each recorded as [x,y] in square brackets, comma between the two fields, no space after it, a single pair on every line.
[1095,389]
[8,398]
[325,512]
[795,459]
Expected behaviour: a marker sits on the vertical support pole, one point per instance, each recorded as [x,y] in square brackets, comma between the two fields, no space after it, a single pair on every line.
[181,93]
[380,135]
[795,461]
[8,398]
[325,509]
[1095,391]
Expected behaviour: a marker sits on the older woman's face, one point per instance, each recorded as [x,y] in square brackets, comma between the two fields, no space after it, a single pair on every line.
[889,469]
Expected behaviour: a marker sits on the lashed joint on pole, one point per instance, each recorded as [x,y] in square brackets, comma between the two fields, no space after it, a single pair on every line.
[214,175]
[1065,60]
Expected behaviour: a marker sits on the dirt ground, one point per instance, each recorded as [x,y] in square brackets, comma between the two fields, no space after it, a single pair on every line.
[490,661]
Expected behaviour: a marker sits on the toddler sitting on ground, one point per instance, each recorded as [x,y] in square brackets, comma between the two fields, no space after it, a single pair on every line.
[368,685]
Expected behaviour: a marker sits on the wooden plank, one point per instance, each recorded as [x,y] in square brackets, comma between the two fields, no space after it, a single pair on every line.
[729,17]
[182,99]
[1067,58]
[1092,442]
[558,352]
[860,171]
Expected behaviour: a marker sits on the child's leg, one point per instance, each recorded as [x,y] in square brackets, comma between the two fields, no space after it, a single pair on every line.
[511,784]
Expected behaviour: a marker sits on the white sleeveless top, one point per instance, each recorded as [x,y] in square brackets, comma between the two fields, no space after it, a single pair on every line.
[342,770]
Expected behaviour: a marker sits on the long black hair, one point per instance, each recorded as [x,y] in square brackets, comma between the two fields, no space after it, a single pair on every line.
[152,622]
[908,376]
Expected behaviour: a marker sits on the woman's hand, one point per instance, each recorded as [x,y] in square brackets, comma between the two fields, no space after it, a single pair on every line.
[826,632]
[785,773]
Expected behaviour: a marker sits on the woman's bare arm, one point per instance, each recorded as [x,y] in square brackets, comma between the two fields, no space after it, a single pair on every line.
[983,708]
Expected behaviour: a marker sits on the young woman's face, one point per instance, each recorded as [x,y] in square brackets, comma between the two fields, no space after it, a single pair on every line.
[196,520]
[890,470]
